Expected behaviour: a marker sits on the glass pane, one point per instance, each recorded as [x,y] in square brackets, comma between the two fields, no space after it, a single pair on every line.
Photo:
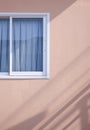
[4,45]
[27,44]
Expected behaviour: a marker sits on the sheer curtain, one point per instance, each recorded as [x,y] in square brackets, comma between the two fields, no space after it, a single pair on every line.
[4,45]
[27,44]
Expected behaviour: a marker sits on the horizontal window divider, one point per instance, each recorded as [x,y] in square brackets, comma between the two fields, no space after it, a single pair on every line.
[26,73]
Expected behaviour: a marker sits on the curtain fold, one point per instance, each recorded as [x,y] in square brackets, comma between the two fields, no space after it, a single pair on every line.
[4,45]
[27,44]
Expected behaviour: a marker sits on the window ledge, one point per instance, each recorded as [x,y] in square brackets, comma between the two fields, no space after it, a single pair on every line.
[25,77]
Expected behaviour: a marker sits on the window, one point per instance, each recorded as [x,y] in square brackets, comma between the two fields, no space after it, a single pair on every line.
[24,45]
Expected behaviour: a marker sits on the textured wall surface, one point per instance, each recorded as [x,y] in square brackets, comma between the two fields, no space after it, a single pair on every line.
[63,101]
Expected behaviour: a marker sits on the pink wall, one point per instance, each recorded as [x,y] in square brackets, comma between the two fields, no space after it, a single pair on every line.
[61,102]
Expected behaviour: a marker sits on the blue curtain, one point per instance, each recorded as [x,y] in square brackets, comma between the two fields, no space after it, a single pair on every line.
[27,44]
[4,45]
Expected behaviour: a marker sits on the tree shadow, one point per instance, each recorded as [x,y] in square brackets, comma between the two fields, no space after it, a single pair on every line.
[29,124]
[83,114]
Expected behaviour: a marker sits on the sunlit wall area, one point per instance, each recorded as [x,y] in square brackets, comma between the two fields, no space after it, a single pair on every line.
[63,101]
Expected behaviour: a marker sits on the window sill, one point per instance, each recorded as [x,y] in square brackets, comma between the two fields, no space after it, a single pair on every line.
[25,77]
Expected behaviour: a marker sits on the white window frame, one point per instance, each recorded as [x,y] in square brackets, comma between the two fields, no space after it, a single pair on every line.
[46,50]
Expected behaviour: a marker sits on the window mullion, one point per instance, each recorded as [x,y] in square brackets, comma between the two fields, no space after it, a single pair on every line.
[10,46]
[44,45]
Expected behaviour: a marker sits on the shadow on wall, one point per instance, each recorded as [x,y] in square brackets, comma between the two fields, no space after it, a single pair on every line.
[82,105]
[83,115]
[55,7]
[42,94]
[29,124]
